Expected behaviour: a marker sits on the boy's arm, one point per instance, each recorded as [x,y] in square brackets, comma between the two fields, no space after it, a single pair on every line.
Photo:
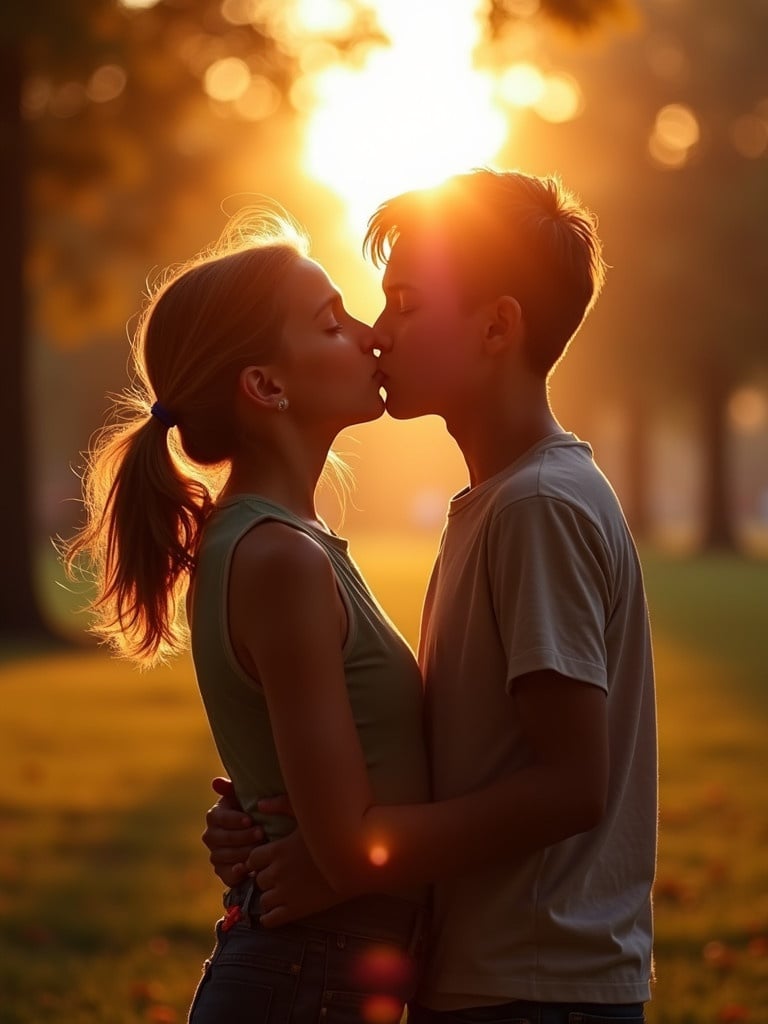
[559,793]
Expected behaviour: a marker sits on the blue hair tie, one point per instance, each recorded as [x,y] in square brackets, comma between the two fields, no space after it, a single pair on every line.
[166,418]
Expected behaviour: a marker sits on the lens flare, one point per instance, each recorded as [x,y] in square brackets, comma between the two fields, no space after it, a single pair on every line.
[378,855]
[381,1010]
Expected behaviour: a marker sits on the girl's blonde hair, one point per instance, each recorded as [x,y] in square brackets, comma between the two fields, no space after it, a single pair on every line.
[149,489]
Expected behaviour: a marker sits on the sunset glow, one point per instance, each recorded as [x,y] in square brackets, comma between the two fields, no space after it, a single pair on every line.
[409,115]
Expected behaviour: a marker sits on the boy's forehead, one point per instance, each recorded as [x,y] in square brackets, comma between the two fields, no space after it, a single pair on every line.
[418,263]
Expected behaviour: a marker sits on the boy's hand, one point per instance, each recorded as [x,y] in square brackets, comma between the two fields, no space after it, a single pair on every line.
[290,883]
[230,834]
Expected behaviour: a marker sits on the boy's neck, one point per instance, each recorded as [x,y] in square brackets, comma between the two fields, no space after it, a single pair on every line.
[494,438]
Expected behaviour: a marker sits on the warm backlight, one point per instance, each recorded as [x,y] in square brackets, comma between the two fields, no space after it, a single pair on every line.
[409,114]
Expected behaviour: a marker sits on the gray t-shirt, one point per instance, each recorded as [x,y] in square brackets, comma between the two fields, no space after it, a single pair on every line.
[537,570]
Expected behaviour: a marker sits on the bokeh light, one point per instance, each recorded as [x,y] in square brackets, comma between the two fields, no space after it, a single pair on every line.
[522,85]
[106,83]
[675,132]
[259,101]
[748,410]
[561,100]
[378,855]
[331,16]
[227,79]
[240,12]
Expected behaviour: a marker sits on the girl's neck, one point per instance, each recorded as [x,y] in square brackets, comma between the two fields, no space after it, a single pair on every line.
[286,478]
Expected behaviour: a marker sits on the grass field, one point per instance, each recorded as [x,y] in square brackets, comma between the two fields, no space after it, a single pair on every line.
[106,901]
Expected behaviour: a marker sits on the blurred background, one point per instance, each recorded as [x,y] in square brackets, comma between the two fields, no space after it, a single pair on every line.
[130,129]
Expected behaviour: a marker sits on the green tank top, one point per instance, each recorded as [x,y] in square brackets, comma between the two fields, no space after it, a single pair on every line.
[383,679]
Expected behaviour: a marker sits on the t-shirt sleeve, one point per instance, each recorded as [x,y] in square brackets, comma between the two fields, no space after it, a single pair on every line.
[550,590]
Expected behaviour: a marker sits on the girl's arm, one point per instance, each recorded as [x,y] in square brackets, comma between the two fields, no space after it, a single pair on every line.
[288,622]
[287,625]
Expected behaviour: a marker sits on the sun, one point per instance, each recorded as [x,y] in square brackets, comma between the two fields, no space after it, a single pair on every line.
[413,113]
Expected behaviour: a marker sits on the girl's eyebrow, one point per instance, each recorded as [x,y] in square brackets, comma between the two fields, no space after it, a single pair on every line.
[335,297]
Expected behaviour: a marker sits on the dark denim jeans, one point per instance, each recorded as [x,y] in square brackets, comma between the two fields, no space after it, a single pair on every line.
[523,1012]
[356,962]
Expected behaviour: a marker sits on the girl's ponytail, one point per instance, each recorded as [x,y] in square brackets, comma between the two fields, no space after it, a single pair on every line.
[148,486]
[145,512]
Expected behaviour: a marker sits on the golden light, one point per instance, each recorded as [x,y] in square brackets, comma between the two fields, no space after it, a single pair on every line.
[259,101]
[522,85]
[378,855]
[332,16]
[227,79]
[748,410]
[675,132]
[409,115]
[561,99]
[240,12]
[106,83]
[677,127]
[138,5]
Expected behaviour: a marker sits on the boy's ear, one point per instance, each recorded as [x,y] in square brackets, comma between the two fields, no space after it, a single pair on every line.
[259,384]
[504,324]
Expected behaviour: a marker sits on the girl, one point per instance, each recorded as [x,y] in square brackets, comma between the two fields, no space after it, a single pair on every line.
[247,366]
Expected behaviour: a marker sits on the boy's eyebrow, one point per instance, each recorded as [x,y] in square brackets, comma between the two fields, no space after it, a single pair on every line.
[399,286]
[328,302]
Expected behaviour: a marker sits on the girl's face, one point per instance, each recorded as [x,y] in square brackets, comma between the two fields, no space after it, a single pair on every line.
[326,360]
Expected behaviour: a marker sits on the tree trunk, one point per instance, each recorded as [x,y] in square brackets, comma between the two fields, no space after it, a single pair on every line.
[20,615]
[719,532]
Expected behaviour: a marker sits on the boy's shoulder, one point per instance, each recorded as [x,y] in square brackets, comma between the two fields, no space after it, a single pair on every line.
[561,469]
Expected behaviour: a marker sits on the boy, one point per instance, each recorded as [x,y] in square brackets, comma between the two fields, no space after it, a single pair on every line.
[534,645]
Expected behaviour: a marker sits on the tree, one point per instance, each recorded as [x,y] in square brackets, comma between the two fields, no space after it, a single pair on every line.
[682,319]
[54,160]
[105,90]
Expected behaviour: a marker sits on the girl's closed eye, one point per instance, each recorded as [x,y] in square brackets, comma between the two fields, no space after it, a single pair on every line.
[405,303]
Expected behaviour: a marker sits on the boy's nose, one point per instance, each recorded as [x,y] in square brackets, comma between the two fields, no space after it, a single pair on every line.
[381,339]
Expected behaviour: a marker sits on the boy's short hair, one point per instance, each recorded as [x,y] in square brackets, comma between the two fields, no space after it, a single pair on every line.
[506,233]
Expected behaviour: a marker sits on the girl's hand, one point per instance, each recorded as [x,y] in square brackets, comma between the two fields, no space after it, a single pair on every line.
[229,834]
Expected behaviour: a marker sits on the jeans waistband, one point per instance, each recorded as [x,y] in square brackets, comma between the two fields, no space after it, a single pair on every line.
[380,917]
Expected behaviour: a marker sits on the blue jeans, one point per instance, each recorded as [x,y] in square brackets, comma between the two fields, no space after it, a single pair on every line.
[355,962]
[524,1012]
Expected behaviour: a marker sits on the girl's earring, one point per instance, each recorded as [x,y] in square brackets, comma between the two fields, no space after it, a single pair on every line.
[282,405]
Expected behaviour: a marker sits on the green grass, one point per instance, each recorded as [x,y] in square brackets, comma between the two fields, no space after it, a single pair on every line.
[106,900]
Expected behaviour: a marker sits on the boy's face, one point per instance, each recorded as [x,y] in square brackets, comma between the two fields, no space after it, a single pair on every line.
[429,344]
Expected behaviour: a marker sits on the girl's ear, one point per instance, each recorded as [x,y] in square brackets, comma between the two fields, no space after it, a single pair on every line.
[259,384]
[504,325]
